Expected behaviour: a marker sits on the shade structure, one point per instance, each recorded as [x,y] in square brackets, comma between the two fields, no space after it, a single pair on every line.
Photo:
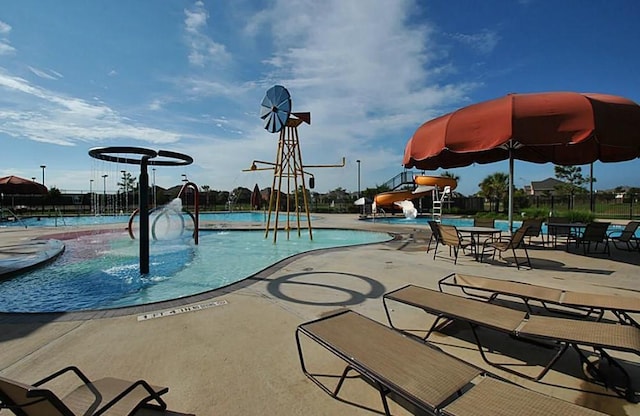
[362,201]
[14,185]
[564,128]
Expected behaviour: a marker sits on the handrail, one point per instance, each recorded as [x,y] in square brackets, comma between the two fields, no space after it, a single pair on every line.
[196,202]
[16,217]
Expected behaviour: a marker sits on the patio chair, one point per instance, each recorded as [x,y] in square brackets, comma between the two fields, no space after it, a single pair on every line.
[559,333]
[557,227]
[422,375]
[626,236]
[435,234]
[484,222]
[516,242]
[534,230]
[554,300]
[594,232]
[112,395]
[451,237]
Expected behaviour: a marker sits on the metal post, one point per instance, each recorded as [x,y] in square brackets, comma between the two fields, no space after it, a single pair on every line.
[126,190]
[90,196]
[104,193]
[143,204]
[153,190]
[43,167]
[358,162]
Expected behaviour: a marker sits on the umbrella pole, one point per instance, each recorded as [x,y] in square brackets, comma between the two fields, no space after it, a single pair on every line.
[510,190]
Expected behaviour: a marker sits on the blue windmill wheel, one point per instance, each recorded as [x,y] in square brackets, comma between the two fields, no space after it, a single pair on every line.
[275,108]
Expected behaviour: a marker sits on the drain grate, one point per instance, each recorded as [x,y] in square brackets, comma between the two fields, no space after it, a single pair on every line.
[172,312]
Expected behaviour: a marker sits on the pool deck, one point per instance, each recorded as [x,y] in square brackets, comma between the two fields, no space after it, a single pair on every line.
[233,351]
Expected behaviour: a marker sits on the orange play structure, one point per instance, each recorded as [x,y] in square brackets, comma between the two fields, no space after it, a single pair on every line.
[426,185]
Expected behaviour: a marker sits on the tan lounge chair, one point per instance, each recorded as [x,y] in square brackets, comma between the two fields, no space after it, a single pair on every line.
[560,332]
[569,301]
[426,377]
[92,398]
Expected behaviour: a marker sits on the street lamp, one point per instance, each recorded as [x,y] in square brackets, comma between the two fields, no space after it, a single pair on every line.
[125,185]
[358,162]
[104,192]
[90,196]
[42,167]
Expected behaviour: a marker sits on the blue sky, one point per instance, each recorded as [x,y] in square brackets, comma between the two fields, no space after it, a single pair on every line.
[189,76]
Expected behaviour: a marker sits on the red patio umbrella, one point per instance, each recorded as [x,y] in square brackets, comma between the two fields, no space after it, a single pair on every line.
[256,198]
[564,128]
[14,185]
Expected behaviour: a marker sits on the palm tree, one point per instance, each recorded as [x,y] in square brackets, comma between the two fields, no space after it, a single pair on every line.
[495,187]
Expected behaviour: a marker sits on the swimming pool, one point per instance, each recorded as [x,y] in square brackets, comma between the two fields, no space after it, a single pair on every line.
[101,271]
[243,216]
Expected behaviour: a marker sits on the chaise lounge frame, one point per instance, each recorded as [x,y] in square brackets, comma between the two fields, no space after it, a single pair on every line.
[92,398]
[428,378]
[561,333]
[572,302]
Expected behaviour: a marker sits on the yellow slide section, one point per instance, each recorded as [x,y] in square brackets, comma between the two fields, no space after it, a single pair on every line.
[426,184]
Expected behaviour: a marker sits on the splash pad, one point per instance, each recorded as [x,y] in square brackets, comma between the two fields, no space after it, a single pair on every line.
[147,157]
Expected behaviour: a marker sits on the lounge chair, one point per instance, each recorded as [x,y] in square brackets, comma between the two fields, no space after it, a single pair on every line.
[426,377]
[594,232]
[626,236]
[560,333]
[112,395]
[450,236]
[566,301]
[516,242]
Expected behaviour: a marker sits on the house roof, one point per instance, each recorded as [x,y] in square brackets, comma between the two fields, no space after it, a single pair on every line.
[548,184]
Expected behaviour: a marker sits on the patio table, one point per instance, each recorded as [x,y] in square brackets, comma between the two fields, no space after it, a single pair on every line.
[476,233]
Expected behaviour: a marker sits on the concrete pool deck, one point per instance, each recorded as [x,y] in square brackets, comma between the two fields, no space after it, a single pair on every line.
[233,351]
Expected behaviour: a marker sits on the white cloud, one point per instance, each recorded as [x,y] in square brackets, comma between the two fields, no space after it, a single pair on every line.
[365,73]
[5,48]
[202,49]
[50,74]
[4,28]
[55,118]
[483,42]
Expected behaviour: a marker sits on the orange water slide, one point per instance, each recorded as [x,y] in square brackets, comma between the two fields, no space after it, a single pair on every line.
[426,185]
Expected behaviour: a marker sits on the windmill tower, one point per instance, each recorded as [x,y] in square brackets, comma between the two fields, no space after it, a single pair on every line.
[289,187]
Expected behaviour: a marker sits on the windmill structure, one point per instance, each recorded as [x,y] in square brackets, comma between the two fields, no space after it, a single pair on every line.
[289,187]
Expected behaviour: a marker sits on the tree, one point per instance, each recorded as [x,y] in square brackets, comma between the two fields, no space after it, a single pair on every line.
[495,187]
[573,181]
[206,189]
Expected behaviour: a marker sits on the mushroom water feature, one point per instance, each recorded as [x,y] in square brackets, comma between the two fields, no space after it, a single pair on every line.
[146,157]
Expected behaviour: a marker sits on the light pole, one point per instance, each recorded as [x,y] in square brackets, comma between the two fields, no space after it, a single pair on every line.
[104,192]
[186,199]
[126,190]
[358,162]
[90,196]
[43,167]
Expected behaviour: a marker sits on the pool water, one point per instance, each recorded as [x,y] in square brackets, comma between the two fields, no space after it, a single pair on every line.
[244,216]
[101,271]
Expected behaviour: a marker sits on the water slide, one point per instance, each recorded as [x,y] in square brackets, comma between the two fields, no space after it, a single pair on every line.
[426,185]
